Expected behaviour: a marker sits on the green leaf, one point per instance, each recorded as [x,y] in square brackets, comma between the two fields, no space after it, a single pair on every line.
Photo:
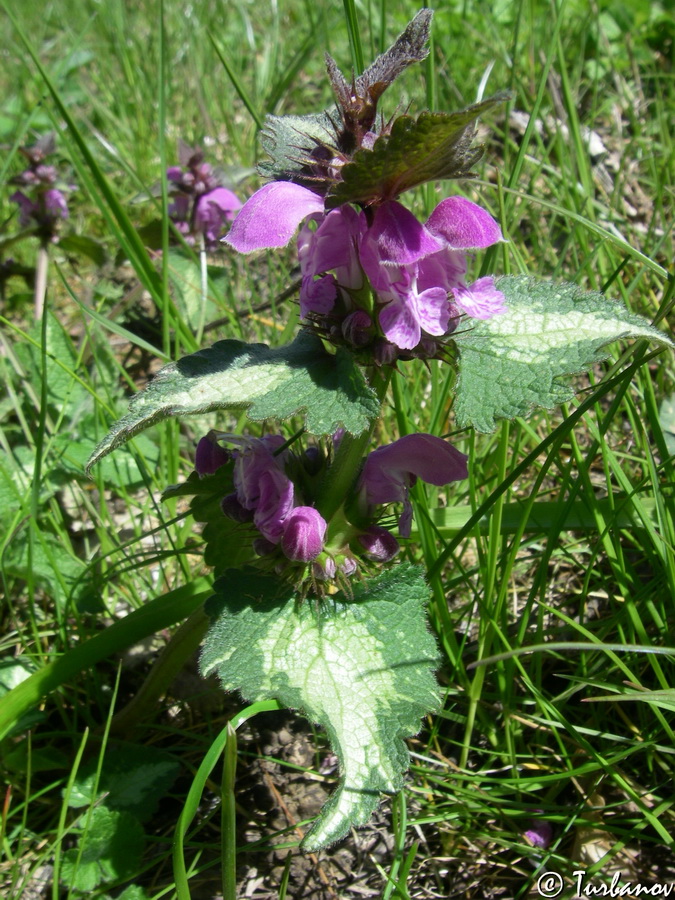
[516,361]
[195,306]
[667,422]
[61,575]
[14,671]
[270,383]
[290,140]
[63,390]
[133,779]
[430,147]
[109,850]
[81,244]
[361,668]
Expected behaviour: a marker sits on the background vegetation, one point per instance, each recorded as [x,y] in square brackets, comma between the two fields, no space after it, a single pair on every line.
[572,541]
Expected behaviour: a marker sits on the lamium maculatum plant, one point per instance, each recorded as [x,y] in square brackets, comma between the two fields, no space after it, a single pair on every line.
[312,605]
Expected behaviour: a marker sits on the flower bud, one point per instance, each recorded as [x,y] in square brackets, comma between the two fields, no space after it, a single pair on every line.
[379,544]
[348,566]
[233,509]
[540,833]
[304,531]
[324,569]
[385,353]
[312,460]
[357,328]
[263,547]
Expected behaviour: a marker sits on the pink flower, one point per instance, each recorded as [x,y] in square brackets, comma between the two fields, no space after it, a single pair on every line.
[413,268]
[390,471]
[213,210]
[261,484]
[379,544]
[209,455]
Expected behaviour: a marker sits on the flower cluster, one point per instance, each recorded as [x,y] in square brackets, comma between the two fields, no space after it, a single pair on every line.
[274,492]
[42,203]
[200,205]
[379,277]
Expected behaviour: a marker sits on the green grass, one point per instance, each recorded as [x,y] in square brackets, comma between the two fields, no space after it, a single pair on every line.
[564,532]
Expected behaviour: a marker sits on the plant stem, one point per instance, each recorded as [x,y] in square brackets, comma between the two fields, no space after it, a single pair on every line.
[168,664]
[228,819]
[339,480]
[41,270]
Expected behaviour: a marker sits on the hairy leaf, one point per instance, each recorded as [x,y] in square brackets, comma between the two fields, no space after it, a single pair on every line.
[290,141]
[516,361]
[432,146]
[269,383]
[361,668]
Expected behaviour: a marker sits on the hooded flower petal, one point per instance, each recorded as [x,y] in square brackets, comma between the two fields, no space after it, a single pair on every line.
[463,225]
[379,544]
[254,459]
[55,203]
[333,245]
[390,471]
[274,504]
[27,209]
[397,238]
[270,217]
[209,455]
[317,295]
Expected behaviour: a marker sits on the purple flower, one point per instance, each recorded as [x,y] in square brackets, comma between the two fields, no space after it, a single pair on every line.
[200,205]
[271,216]
[213,210]
[357,328]
[27,209]
[390,471]
[233,509]
[413,268]
[304,532]
[55,203]
[261,484]
[332,245]
[45,210]
[379,544]
[209,455]
[539,834]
